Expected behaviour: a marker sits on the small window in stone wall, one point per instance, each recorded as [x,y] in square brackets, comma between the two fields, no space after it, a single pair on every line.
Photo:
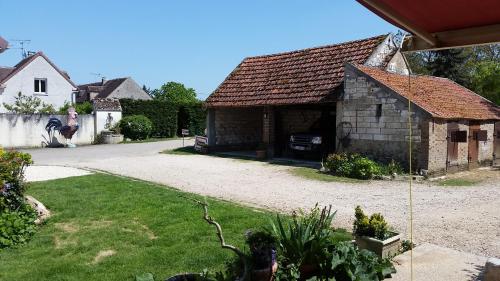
[379,110]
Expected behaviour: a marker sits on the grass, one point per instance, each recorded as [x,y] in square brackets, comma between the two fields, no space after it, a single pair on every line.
[314,174]
[187,150]
[458,182]
[135,226]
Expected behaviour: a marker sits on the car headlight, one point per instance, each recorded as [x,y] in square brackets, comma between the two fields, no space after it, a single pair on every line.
[292,138]
[316,140]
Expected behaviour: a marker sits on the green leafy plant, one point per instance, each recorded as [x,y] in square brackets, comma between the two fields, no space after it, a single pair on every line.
[136,127]
[373,226]
[17,227]
[17,219]
[262,246]
[304,239]
[406,245]
[29,105]
[392,168]
[352,165]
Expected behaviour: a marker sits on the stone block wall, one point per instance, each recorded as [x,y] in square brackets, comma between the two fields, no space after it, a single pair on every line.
[485,150]
[379,120]
[238,126]
[298,120]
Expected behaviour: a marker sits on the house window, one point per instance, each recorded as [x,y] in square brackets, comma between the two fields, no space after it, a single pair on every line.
[379,110]
[40,86]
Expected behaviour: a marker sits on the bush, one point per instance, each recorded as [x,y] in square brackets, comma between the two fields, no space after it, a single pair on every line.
[17,219]
[81,108]
[17,227]
[375,226]
[392,168]
[136,127]
[352,165]
[162,114]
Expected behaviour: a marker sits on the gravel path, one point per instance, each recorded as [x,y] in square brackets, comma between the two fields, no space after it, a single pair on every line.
[462,218]
[44,173]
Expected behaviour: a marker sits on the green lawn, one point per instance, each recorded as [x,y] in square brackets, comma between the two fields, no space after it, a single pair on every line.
[135,226]
[151,140]
[314,174]
[458,182]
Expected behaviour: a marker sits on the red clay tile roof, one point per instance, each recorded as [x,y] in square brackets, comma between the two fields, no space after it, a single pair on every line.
[298,77]
[438,96]
[26,61]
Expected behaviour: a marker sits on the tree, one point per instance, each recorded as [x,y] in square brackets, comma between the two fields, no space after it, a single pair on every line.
[450,64]
[486,80]
[29,105]
[176,93]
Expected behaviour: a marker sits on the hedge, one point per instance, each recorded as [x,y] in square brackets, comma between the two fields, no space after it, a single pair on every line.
[168,118]
[193,117]
[163,114]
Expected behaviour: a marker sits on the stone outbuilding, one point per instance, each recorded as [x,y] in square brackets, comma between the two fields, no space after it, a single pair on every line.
[357,94]
[267,98]
[452,129]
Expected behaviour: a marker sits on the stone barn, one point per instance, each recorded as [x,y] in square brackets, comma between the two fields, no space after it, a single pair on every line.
[352,97]
[452,127]
[267,99]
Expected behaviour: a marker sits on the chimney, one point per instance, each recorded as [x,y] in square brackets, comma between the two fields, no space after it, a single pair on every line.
[103,80]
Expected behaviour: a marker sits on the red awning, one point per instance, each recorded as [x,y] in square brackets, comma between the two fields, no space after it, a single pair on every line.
[439,24]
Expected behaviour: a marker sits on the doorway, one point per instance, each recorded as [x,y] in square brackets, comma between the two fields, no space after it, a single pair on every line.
[473,148]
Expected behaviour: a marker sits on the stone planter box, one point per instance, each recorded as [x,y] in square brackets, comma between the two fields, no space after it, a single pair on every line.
[383,248]
[111,138]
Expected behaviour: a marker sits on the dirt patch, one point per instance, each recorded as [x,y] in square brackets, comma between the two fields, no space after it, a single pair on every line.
[102,255]
[149,233]
[101,223]
[60,242]
[67,227]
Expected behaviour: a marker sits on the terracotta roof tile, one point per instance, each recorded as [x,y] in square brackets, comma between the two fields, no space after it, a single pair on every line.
[440,97]
[298,77]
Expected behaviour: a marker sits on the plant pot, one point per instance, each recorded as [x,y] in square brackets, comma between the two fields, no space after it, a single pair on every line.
[188,277]
[266,274]
[383,248]
[109,137]
[261,154]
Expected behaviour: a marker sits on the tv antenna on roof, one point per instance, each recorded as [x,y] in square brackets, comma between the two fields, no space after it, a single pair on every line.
[4,45]
[22,43]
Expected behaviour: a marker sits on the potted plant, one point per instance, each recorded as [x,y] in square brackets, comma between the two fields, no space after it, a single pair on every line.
[112,135]
[373,234]
[261,151]
[262,255]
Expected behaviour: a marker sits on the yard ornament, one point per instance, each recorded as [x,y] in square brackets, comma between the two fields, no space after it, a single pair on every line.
[67,131]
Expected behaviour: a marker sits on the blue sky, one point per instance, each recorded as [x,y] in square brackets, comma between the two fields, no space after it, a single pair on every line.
[193,42]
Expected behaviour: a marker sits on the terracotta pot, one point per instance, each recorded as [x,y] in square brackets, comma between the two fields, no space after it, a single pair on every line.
[266,274]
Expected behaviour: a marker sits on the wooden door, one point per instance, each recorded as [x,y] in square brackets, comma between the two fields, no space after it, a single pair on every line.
[473,147]
[496,144]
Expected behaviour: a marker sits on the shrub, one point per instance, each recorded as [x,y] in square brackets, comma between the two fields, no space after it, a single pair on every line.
[163,114]
[392,168]
[352,165]
[81,108]
[17,219]
[375,226]
[136,127]
[29,105]
[17,227]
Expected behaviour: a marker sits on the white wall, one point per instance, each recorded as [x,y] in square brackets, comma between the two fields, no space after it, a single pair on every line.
[29,130]
[102,116]
[58,88]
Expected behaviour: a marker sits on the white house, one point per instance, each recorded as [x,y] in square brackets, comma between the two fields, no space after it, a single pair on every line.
[37,76]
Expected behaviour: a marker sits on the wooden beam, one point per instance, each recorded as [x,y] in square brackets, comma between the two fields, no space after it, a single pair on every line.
[483,35]
[402,21]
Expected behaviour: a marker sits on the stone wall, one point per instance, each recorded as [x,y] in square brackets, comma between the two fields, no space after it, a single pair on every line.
[379,120]
[485,150]
[298,120]
[29,130]
[238,126]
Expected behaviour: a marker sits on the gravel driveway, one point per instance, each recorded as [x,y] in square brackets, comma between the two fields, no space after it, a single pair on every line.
[462,218]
